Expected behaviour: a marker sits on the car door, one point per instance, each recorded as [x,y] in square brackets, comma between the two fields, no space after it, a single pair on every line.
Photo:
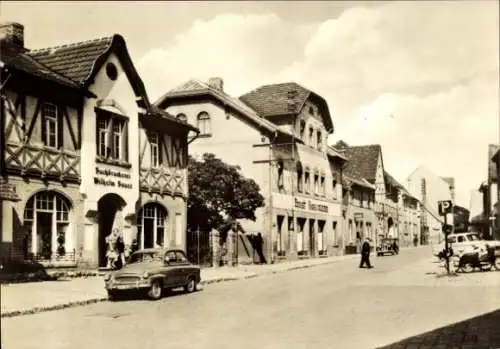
[171,270]
[184,267]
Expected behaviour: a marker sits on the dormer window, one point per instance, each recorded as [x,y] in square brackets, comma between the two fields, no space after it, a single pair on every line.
[311,110]
[203,124]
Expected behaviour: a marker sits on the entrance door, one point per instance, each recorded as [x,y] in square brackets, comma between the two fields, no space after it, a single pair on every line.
[148,232]
[107,206]
[44,230]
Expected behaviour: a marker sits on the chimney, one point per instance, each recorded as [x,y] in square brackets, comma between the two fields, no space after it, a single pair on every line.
[216,83]
[13,33]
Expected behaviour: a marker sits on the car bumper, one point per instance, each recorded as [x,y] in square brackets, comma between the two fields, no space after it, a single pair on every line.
[128,286]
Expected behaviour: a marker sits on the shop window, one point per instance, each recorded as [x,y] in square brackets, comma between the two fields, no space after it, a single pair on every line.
[334,226]
[50,128]
[151,226]
[301,222]
[46,216]
[203,124]
[112,137]
[280,242]
[321,237]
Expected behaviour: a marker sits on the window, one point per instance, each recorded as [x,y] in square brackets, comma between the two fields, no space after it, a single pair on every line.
[319,140]
[204,123]
[307,182]
[302,128]
[311,110]
[311,137]
[102,137]
[280,174]
[50,125]
[300,186]
[316,184]
[335,232]
[152,226]
[111,137]
[182,117]
[334,187]
[322,185]
[154,142]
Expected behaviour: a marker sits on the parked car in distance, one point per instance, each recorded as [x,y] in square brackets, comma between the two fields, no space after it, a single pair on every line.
[152,271]
[462,243]
[388,246]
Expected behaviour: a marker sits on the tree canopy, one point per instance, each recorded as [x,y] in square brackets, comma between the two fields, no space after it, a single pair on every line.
[217,189]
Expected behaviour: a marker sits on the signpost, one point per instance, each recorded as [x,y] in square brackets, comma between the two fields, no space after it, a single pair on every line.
[445,207]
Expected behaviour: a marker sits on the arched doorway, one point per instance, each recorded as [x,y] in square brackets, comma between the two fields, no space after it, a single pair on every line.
[390,226]
[108,207]
[47,223]
[152,226]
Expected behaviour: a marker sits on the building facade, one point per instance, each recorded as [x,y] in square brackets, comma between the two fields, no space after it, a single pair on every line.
[278,135]
[430,188]
[87,153]
[491,192]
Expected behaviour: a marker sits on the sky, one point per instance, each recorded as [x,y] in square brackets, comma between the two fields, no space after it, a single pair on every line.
[419,78]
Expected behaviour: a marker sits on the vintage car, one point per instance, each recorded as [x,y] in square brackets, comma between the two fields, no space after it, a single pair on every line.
[461,243]
[387,246]
[152,271]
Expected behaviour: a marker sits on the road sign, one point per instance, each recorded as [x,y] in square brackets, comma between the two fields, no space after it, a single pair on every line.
[447,228]
[444,207]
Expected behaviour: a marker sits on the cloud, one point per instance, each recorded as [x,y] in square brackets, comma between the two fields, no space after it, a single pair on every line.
[433,67]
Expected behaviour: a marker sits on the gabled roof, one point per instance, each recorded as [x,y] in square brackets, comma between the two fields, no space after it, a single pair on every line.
[362,161]
[285,99]
[75,60]
[196,87]
[21,61]
[334,153]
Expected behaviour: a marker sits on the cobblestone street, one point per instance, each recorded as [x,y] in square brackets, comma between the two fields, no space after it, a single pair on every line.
[398,304]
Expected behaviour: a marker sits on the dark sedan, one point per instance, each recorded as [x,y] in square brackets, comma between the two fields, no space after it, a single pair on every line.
[152,271]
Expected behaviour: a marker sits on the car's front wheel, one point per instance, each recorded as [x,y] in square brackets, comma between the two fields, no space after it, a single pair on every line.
[190,286]
[155,290]
[113,296]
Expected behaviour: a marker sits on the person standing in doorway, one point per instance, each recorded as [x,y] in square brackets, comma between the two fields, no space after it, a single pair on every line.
[365,255]
[120,249]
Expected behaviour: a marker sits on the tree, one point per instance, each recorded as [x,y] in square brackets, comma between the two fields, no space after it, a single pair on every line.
[217,189]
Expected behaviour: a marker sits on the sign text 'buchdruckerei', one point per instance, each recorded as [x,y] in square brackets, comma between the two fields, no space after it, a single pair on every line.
[110,182]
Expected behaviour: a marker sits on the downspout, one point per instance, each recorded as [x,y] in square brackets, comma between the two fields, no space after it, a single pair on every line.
[270,200]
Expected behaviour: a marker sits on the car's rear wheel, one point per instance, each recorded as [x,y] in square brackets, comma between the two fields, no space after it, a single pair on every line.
[497,263]
[190,286]
[155,290]
[468,268]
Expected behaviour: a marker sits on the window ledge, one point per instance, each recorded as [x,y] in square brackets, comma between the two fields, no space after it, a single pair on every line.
[113,162]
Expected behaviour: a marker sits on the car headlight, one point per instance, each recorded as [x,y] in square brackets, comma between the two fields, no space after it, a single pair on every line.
[145,275]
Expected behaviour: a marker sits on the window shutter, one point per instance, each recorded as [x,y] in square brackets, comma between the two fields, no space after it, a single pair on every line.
[42,119]
[160,148]
[125,141]
[59,127]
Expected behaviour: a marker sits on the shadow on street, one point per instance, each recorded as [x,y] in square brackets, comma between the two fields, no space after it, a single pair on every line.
[480,332]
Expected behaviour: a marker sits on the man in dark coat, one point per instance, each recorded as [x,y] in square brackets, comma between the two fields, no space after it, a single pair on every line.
[259,244]
[365,255]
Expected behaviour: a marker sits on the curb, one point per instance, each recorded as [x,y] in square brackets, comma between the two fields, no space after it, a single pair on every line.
[38,310]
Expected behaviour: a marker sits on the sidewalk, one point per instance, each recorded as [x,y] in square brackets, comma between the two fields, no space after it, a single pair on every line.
[35,297]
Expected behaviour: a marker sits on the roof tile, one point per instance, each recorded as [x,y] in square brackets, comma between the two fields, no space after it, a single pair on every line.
[362,161]
[73,60]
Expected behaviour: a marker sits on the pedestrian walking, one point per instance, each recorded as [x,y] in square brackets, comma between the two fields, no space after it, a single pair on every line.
[120,249]
[365,255]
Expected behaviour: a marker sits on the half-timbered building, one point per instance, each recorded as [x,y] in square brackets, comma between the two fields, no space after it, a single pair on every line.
[86,153]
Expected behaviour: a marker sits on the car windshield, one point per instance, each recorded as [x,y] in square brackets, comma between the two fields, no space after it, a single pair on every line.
[145,257]
[472,237]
